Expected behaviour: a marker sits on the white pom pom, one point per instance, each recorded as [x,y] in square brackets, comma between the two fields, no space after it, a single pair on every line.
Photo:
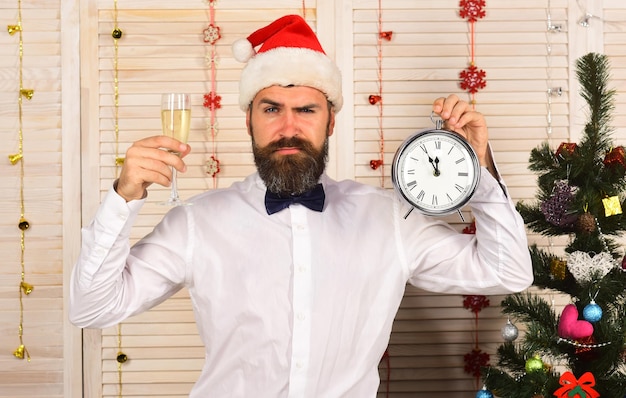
[242,50]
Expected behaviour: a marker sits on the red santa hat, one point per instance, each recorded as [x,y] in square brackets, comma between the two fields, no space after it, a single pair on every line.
[290,54]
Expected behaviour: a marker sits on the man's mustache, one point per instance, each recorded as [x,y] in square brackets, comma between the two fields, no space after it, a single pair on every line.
[289,142]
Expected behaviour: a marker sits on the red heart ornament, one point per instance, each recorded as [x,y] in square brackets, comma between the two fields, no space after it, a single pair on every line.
[570,327]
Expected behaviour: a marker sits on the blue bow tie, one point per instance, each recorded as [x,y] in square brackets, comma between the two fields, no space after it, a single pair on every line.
[313,199]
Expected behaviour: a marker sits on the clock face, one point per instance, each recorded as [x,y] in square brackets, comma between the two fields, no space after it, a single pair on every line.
[436,171]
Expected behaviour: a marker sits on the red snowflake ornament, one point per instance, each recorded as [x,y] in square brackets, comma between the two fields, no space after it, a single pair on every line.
[472,9]
[471,228]
[475,360]
[212,101]
[473,79]
[475,303]
[212,34]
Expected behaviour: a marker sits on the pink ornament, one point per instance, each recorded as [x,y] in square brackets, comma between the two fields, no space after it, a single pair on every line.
[572,328]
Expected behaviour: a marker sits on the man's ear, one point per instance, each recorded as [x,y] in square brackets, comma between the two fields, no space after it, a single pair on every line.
[331,123]
[248,121]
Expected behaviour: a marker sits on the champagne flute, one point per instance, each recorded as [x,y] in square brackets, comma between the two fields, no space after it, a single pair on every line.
[175,118]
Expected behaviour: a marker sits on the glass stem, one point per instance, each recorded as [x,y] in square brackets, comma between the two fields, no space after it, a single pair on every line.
[174,192]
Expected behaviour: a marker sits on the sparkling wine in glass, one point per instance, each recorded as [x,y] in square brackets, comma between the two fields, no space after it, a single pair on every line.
[175,118]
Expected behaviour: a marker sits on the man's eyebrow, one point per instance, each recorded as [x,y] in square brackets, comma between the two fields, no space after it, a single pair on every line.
[269,102]
[308,106]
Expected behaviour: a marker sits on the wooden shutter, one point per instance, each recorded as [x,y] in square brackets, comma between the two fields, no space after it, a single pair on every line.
[162,50]
[47,338]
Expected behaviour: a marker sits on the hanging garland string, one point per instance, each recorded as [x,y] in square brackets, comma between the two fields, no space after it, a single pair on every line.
[472,78]
[377,99]
[24,288]
[117,34]
[551,91]
[476,358]
[212,101]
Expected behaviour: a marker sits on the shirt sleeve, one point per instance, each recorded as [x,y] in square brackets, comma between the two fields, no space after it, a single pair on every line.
[494,260]
[108,284]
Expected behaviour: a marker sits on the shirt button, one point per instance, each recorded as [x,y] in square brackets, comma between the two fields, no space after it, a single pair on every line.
[299,364]
[300,316]
[302,269]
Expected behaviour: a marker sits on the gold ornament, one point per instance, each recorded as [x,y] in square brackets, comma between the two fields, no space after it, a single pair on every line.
[12,29]
[27,93]
[14,158]
[23,225]
[21,352]
[612,206]
[119,161]
[558,268]
[27,288]
[117,33]
[586,222]
[121,357]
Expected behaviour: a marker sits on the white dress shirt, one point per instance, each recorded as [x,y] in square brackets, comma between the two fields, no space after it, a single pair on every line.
[299,303]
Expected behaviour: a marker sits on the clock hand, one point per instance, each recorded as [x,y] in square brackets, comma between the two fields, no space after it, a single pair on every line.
[435,165]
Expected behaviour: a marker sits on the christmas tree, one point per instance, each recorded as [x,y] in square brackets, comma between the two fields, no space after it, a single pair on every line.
[578,352]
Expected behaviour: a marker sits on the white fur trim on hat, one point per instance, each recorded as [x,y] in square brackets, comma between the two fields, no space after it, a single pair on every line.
[285,66]
[242,50]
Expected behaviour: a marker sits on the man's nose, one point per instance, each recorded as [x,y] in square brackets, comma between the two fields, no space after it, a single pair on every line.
[290,124]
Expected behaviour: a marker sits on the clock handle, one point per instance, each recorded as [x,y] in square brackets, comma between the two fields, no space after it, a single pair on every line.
[437,120]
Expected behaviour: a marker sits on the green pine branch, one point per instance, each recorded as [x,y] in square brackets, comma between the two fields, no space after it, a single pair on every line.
[592,229]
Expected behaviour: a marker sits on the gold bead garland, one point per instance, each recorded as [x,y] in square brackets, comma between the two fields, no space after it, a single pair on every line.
[117,34]
[23,225]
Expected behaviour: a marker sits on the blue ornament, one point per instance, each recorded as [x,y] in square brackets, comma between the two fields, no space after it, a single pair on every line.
[484,393]
[592,312]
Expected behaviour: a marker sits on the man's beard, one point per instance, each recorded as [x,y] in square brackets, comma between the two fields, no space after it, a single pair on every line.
[290,174]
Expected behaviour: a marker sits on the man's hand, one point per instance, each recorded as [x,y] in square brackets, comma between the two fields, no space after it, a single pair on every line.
[149,161]
[459,116]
